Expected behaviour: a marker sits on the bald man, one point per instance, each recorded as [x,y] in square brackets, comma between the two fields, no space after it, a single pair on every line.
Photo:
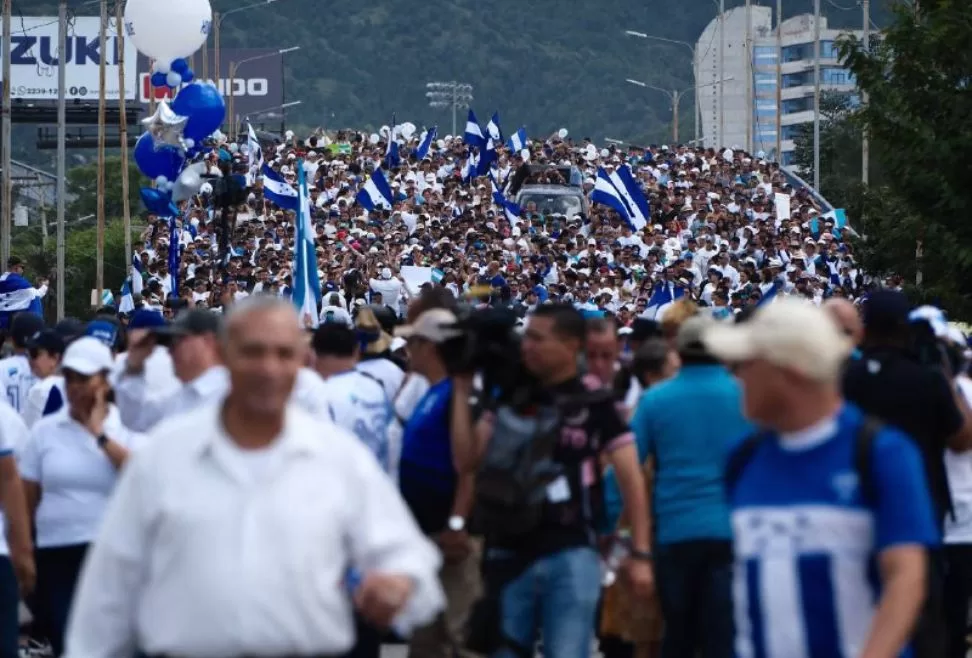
[845,314]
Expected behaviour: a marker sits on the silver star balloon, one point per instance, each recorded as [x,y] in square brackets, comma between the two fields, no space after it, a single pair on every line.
[165,126]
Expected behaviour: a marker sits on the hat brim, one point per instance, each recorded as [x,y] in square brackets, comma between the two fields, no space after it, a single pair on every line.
[730,343]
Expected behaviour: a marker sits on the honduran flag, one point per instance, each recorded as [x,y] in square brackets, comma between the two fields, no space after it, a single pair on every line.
[278,191]
[423,149]
[473,136]
[376,193]
[17,295]
[517,141]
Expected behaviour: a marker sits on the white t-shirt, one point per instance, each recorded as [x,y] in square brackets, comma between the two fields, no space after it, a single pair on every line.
[386,372]
[75,476]
[958,467]
[13,436]
[16,379]
[358,403]
[37,398]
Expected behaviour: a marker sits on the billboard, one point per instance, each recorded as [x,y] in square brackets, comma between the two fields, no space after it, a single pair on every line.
[258,84]
[34,61]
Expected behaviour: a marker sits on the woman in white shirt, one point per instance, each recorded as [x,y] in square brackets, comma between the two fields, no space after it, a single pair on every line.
[69,467]
[45,351]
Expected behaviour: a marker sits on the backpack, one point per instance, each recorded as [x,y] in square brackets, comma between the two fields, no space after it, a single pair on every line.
[863,440]
[517,468]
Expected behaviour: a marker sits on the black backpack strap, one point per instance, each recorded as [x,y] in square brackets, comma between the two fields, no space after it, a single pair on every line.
[863,447]
[740,458]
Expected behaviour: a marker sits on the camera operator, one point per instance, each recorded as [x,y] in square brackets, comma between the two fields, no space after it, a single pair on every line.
[541,568]
[434,476]
[890,383]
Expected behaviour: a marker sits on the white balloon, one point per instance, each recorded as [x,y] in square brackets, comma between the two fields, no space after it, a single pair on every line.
[161,67]
[562,133]
[407,129]
[173,79]
[234,148]
[374,139]
[160,181]
[168,30]
[206,188]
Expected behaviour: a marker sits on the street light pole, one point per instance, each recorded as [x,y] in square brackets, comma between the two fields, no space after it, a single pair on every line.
[452,94]
[218,19]
[722,74]
[695,78]
[675,96]
[234,127]
[865,141]
[816,95]
[7,205]
[61,148]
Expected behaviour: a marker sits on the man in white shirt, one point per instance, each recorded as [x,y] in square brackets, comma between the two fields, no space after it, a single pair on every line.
[230,529]
[16,376]
[17,570]
[389,287]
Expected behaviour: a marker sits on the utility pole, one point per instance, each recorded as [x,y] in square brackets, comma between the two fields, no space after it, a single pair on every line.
[816,95]
[123,134]
[779,82]
[61,148]
[749,76]
[865,141]
[452,94]
[722,75]
[100,244]
[7,207]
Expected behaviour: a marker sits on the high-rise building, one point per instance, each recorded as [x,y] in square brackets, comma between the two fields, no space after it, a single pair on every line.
[750,80]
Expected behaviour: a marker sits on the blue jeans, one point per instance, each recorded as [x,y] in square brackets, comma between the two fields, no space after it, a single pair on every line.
[556,595]
[694,580]
[9,604]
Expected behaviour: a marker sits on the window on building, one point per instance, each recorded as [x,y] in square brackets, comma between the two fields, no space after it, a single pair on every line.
[764,55]
[792,131]
[794,105]
[787,158]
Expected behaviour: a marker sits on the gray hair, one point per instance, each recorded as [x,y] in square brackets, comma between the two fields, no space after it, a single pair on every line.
[238,311]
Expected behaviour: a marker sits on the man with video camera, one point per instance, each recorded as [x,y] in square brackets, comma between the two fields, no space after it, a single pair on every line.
[536,458]
[902,378]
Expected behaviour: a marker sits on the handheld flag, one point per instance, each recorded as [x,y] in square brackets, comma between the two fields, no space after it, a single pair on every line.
[392,158]
[16,296]
[423,149]
[474,134]
[621,192]
[254,156]
[173,256]
[307,286]
[278,191]
[493,129]
[375,193]
[517,141]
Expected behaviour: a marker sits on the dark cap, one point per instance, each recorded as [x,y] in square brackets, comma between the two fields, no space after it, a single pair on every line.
[886,310]
[642,329]
[190,322]
[48,340]
[69,329]
[146,318]
[24,326]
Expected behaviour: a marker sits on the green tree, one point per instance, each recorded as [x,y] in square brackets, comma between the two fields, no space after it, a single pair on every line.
[82,182]
[917,77]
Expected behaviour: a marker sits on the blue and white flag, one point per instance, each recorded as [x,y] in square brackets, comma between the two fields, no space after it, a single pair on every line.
[392,159]
[375,193]
[107,298]
[839,217]
[493,129]
[423,149]
[470,168]
[621,192]
[487,156]
[136,274]
[17,296]
[173,256]
[517,141]
[474,134]
[662,295]
[254,155]
[278,191]
[511,210]
[127,303]
[307,287]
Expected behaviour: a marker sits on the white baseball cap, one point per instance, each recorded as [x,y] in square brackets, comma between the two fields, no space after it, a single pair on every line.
[789,333]
[87,356]
[434,325]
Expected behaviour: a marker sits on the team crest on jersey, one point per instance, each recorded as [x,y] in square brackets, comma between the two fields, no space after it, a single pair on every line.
[11,372]
[845,484]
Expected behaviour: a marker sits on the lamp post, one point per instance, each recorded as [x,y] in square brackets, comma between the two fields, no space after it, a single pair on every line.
[456,95]
[691,49]
[218,19]
[675,96]
[268,110]
[234,67]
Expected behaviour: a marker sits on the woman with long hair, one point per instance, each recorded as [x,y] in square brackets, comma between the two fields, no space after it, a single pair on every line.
[69,467]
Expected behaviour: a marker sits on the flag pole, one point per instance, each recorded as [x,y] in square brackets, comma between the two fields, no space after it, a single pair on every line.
[100,245]
[123,133]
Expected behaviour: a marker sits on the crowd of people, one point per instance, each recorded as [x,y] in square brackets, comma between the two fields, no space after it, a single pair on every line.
[712,435]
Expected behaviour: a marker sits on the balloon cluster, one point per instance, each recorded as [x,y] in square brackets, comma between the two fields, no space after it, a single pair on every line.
[176,132]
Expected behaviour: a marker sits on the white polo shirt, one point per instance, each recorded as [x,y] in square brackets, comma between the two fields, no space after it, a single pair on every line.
[13,436]
[75,476]
[16,379]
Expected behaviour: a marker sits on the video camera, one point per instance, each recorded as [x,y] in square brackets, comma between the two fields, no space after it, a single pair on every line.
[490,346]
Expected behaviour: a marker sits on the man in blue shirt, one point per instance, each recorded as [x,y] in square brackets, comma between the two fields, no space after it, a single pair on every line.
[830,549]
[686,426]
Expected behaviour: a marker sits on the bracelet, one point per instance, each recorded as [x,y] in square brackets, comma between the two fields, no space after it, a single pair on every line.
[644,556]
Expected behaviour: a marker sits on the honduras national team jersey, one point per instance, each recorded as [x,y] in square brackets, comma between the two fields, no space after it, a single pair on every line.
[806,542]
[17,379]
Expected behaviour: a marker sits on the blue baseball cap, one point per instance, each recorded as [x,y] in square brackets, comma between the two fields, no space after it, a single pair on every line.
[103,330]
[146,319]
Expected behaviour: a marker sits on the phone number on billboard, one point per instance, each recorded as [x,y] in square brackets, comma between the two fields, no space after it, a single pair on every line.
[24,90]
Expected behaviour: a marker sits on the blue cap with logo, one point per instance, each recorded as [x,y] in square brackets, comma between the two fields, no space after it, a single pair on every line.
[103,330]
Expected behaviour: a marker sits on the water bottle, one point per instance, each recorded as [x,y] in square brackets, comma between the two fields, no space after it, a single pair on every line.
[619,549]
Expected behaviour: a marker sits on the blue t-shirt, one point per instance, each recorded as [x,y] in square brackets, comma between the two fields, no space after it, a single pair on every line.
[689,424]
[426,475]
[806,541]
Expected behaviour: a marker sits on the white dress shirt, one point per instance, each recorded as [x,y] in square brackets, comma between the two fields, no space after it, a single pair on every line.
[13,436]
[208,550]
[75,476]
[141,410]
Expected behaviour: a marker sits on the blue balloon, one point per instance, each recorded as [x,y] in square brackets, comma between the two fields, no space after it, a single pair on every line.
[205,108]
[188,77]
[158,80]
[154,162]
[180,66]
[158,202]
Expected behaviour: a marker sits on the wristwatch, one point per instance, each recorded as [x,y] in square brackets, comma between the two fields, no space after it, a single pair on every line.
[457,523]
[102,440]
[644,556]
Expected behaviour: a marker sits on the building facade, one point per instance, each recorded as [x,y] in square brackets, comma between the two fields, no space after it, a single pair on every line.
[775,81]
